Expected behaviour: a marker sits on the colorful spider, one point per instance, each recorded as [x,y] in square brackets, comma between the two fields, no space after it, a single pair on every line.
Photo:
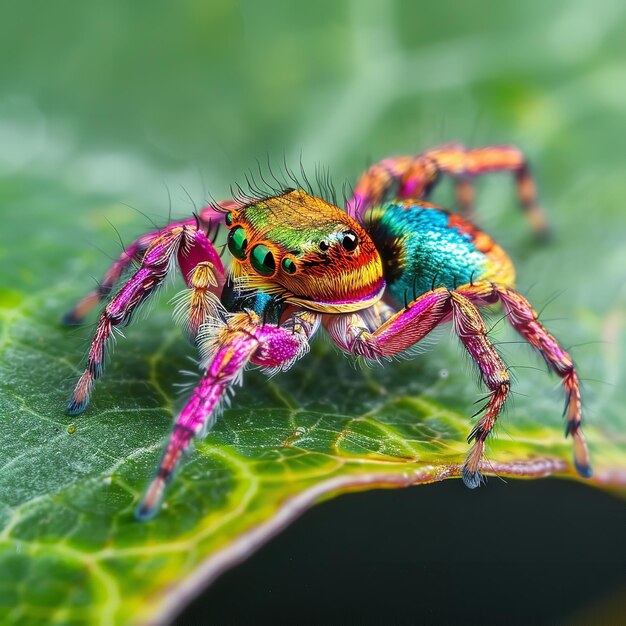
[379,277]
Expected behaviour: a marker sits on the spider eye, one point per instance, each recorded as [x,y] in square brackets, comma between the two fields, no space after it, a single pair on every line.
[289,265]
[228,219]
[238,242]
[350,241]
[324,245]
[262,260]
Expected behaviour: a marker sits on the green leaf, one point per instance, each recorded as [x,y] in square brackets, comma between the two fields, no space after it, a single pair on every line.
[71,547]
[71,551]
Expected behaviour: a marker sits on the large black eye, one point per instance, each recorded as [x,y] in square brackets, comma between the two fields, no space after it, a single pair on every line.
[262,260]
[350,241]
[238,242]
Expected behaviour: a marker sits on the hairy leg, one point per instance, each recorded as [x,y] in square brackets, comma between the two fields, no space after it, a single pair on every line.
[355,334]
[524,319]
[133,253]
[202,269]
[154,268]
[413,177]
[178,241]
[208,217]
[470,328]
[227,349]
[196,305]
[409,326]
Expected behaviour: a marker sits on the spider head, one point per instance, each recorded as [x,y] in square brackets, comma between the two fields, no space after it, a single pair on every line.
[306,250]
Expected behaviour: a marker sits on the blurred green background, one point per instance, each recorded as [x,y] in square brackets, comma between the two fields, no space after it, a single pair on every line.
[125,100]
[108,94]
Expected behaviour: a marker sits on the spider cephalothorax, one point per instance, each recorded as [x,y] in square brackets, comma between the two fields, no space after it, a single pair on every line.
[307,251]
[378,277]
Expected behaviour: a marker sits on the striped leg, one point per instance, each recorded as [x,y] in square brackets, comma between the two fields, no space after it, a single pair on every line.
[228,348]
[184,243]
[203,272]
[411,325]
[133,253]
[209,216]
[154,268]
[471,329]
[401,331]
[413,177]
[523,318]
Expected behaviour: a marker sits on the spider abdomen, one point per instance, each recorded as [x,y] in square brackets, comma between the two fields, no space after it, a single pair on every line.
[424,247]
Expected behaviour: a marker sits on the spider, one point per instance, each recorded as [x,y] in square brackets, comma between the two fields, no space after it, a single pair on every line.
[379,277]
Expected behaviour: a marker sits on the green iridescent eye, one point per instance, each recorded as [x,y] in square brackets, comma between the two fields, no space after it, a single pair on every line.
[289,266]
[262,260]
[238,242]
[228,219]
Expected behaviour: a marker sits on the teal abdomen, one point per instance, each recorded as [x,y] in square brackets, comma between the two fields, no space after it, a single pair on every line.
[422,248]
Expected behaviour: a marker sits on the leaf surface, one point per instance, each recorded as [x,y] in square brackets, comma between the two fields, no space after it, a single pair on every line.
[92,123]
[71,547]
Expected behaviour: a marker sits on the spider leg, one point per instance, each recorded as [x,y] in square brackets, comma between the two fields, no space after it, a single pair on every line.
[151,273]
[524,319]
[156,263]
[202,269]
[134,253]
[401,331]
[413,177]
[465,195]
[413,323]
[199,303]
[228,348]
[471,329]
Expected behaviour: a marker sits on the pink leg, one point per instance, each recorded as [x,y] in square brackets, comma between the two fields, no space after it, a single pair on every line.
[407,327]
[413,177]
[228,349]
[154,267]
[471,330]
[523,318]
[134,252]
[203,272]
[184,242]
[400,332]
[209,215]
